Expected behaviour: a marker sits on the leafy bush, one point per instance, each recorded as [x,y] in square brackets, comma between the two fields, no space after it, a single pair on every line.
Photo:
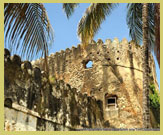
[154,97]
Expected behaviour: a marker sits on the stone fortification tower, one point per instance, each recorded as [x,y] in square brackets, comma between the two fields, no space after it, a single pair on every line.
[115,77]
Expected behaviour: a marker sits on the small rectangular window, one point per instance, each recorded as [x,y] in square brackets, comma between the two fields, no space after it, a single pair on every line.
[111,103]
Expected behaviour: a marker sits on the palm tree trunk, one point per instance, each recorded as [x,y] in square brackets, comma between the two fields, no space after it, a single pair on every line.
[146,115]
[46,68]
[157,31]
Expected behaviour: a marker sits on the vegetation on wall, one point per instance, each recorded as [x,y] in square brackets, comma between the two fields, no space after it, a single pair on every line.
[155,106]
[154,97]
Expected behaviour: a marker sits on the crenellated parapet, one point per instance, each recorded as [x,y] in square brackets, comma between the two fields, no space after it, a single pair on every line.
[35,101]
[111,49]
[109,53]
[115,52]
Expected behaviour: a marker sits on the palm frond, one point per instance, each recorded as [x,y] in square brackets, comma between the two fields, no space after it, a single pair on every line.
[27,29]
[134,22]
[157,32]
[90,23]
[69,8]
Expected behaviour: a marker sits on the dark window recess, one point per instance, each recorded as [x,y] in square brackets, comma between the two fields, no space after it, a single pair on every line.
[111,101]
[88,64]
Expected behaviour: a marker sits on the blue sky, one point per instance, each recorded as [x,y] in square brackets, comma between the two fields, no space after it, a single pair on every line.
[66,29]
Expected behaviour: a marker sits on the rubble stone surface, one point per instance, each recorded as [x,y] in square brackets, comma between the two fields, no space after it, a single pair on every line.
[107,95]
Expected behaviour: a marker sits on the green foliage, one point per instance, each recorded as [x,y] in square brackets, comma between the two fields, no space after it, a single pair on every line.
[69,8]
[134,22]
[92,19]
[27,29]
[154,97]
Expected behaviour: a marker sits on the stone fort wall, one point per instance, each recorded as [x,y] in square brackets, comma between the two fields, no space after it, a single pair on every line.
[34,102]
[109,94]
[116,72]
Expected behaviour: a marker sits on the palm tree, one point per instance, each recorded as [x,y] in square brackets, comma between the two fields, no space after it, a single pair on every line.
[90,23]
[157,32]
[144,24]
[27,29]
[146,115]
[134,21]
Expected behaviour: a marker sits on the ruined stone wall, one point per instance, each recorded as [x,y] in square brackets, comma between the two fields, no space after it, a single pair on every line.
[74,96]
[33,101]
[116,70]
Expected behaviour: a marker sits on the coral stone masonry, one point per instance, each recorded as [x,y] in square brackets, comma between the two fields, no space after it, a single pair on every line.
[107,94]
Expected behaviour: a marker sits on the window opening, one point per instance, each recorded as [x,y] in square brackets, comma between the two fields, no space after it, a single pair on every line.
[111,103]
[111,100]
[88,64]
